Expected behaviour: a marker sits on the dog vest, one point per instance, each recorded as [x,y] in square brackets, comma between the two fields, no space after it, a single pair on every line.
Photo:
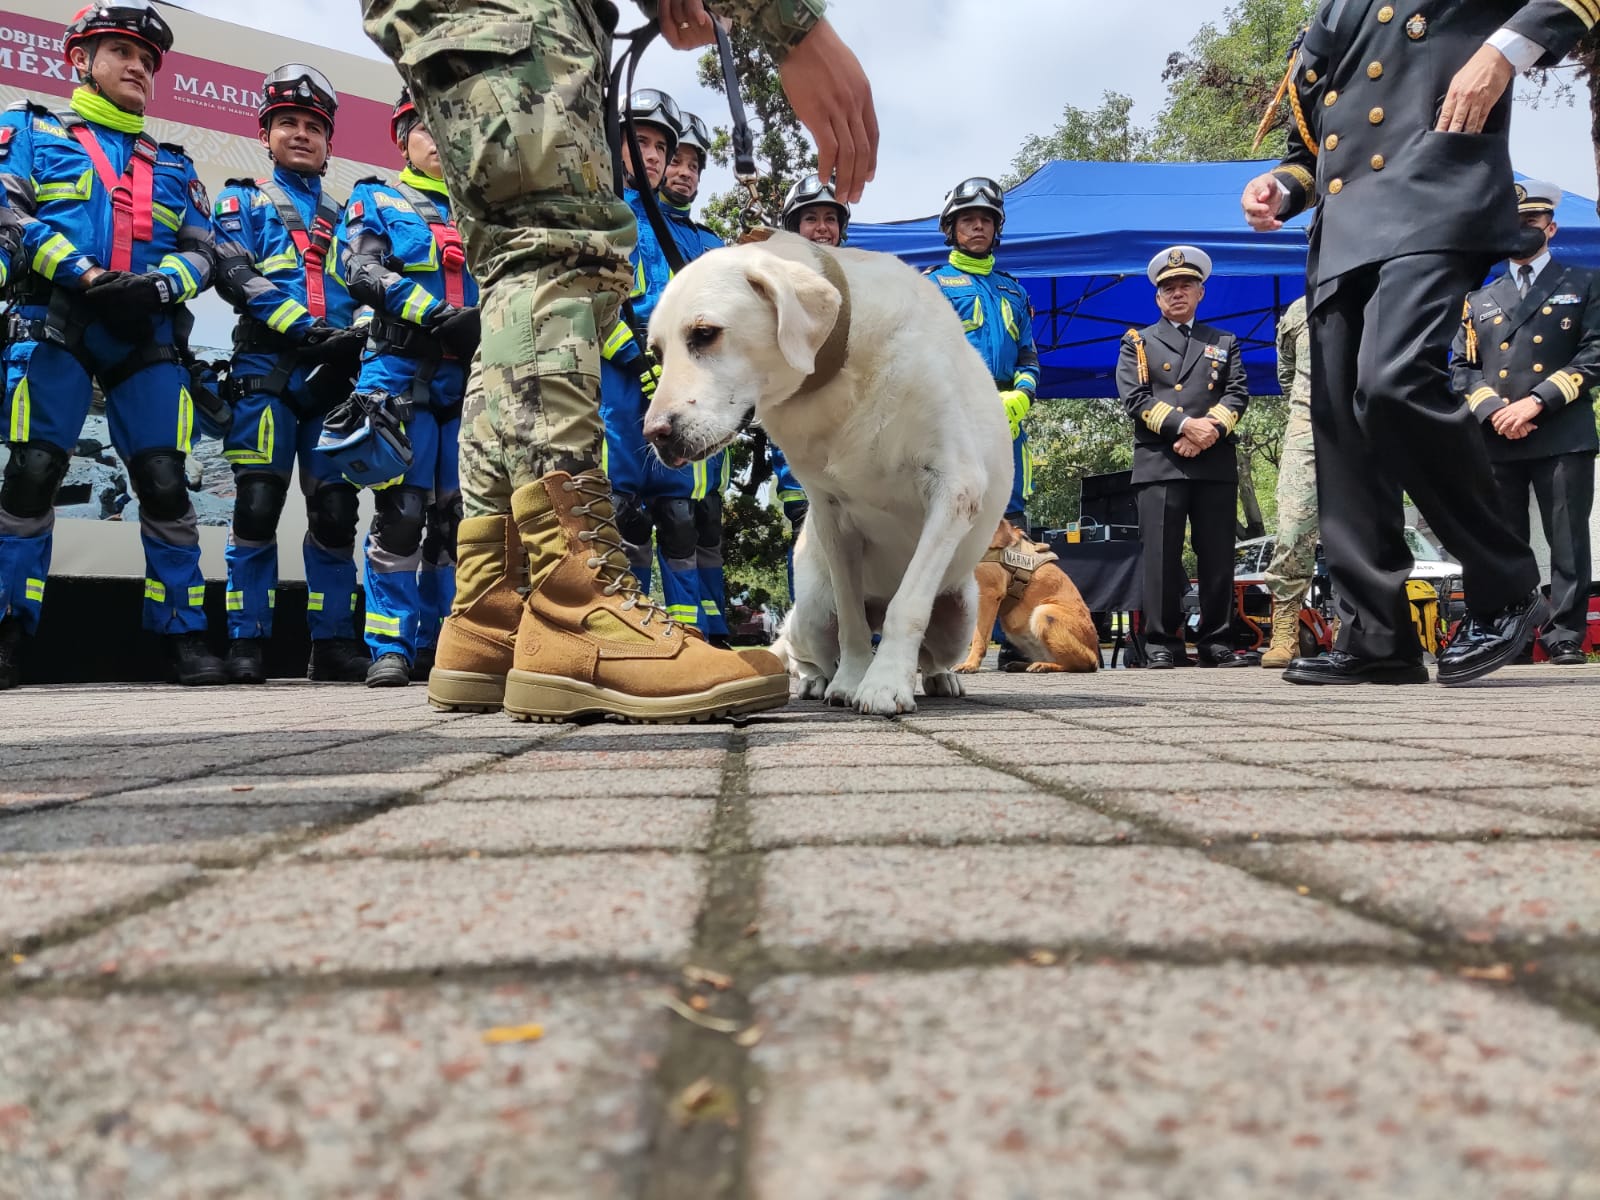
[1020,562]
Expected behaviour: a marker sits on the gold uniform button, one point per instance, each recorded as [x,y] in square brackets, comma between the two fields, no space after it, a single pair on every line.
[1311,76]
[1166,366]
[1329,99]
[1376,116]
[1505,345]
[1504,372]
[1377,162]
[1385,15]
[1177,387]
[1331,142]
[1336,187]
[1375,70]
[1538,338]
[1499,320]
[1539,368]
[1548,310]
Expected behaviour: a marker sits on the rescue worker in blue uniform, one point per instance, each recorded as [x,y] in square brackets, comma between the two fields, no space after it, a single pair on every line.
[649,496]
[401,253]
[116,237]
[998,317]
[707,482]
[814,211]
[294,358]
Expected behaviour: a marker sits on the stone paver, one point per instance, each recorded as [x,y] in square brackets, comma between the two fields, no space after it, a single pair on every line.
[1135,897]
[1244,1082]
[406,916]
[1513,891]
[1137,934]
[522,826]
[41,898]
[351,1095]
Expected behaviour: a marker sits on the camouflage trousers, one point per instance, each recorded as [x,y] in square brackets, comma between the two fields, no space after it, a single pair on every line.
[513,92]
[1294,558]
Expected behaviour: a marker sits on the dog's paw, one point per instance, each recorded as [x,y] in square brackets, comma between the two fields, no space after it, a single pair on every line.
[812,687]
[943,683]
[846,682]
[1041,668]
[967,668]
[884,694]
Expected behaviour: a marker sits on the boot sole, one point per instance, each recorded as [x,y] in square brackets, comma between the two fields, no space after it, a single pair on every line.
[465,691]
[531,697]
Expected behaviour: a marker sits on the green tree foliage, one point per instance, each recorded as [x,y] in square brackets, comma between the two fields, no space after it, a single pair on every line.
[1103,134]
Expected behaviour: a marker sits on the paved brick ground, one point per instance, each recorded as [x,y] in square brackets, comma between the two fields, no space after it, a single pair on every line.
[1188,934]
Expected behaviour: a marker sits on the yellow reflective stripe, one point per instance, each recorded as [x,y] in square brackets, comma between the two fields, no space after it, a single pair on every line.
[431,263]
[313,601]
[51,255]
[197,595]
[416,306]
[185,440]
[33,589]
[700,481]
[266,434]
[170,217]
[352,602]
[977,316]
[155,590]
[289,259]
[638,280]
[180,267]
[710,607]
[1027,470]
[1008,319]
[66,189]
[21,412]
[620,337]
[285,315]
[727,471]
[605,459]
[380,624]
[235,601]
[682,612]
[787,494]
[272,599]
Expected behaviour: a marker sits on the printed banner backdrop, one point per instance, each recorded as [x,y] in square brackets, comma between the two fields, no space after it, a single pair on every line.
[205,100]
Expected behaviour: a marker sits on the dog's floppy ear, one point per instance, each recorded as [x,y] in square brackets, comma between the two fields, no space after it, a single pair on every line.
[806,304]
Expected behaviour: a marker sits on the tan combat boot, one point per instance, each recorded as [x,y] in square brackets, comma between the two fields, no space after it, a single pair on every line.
[590,642]
[1285,635]
[480,634]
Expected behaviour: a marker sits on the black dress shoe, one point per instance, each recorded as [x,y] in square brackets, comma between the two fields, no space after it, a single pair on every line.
[1223,660]
[1158,658]
[1336,666]
[1568,654]
[1485,644]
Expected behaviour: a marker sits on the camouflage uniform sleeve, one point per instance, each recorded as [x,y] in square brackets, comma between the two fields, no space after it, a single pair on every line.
[778,24]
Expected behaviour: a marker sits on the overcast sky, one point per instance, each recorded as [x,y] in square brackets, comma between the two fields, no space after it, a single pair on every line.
[962,84]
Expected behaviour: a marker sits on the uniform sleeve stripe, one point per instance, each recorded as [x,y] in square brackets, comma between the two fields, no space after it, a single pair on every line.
[1587,11]
[1480,396]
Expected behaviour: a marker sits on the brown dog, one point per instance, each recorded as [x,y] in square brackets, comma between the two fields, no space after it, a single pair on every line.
[1039,607]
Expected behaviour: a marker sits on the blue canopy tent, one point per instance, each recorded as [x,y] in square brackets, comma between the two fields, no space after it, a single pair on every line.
[1079,235]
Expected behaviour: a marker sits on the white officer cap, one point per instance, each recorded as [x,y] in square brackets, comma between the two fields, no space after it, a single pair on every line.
[1537,195]
[1179,261]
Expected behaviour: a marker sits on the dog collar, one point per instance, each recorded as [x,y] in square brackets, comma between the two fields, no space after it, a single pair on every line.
[830,359]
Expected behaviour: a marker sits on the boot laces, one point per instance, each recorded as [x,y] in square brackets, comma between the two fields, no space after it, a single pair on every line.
[611,562]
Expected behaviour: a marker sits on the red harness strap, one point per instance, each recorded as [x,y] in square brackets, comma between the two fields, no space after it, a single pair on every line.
[313,244]
[132,194]
[454,258]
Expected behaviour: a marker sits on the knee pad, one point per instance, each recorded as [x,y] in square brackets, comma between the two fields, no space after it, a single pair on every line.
[159,483]
[257,504]
[33,473]
[633,522]
[398,525]
[675,535]
[443,522]
[331,514]
[708,523]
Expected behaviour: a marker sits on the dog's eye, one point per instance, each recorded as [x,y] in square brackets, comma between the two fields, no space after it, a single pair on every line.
[702,337]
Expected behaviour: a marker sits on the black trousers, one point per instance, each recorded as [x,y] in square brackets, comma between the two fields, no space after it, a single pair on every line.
[1563,486]
[1387,423]
[1210,509]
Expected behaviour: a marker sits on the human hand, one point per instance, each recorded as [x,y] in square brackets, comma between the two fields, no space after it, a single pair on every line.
[1203,434]
[1474,92]
[685,24]
[1260,202]
[1185,448]
[1515,420]
[830,94]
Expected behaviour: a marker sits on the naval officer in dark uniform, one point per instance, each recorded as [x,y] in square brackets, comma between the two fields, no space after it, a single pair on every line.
[1398,135]
[1526,359]
[1184,386]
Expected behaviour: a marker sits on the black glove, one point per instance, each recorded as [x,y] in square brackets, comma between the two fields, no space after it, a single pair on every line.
[126,292]
[795,511]
[328,343]
[459,330]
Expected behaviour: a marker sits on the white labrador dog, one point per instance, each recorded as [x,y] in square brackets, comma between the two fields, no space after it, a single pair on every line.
[858,369]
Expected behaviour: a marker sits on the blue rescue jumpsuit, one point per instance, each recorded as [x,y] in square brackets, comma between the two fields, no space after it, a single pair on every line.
[998,318]
[58,341]
[392,260]
[277,413]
